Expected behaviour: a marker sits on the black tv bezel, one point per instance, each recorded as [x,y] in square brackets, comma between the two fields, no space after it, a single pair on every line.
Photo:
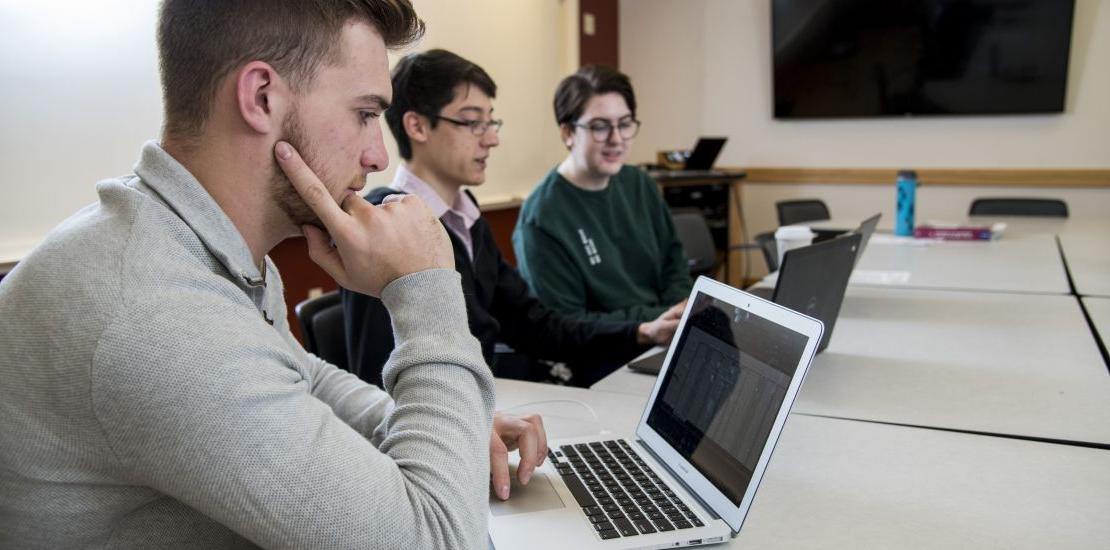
[912,114]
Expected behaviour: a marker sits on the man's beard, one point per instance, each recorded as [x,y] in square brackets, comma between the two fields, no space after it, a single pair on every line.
[284,195]
[287,198]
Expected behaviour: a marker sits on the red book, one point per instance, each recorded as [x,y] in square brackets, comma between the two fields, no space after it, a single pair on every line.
[953,233]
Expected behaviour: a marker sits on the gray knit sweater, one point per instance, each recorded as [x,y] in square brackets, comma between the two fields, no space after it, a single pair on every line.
[147,401]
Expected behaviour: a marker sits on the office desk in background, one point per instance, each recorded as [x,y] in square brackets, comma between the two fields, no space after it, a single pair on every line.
[1024,365]
[1087,255]
[1082,244]
[1099,310]
[1016,263]
[844,484]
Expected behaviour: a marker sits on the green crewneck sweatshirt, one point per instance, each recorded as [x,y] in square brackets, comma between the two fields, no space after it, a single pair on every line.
[609,254]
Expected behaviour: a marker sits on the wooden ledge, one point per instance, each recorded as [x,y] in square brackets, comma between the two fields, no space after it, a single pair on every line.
[1007,177]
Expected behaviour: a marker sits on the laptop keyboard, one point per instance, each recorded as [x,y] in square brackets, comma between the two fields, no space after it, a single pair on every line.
[618,492]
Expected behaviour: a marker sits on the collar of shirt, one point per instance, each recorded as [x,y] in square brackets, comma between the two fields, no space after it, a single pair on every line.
[192,203]
[464,208]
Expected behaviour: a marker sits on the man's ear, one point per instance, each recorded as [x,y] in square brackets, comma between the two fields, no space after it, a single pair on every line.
[416,127]
[261,96]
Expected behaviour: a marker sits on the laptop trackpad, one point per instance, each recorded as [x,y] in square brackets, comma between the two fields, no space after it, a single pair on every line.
[537,496]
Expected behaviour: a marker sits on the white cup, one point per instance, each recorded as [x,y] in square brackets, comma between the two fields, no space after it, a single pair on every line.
[789,237]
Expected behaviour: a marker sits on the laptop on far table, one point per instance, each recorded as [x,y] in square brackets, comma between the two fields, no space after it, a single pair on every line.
[704,440]
[813,279]
[699,162]
[820,297]
[865,229]
[705,153]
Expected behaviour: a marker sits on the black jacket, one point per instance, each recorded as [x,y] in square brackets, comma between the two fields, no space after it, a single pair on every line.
[500,309]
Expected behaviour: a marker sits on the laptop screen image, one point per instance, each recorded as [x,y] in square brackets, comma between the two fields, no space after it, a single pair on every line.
[718,401]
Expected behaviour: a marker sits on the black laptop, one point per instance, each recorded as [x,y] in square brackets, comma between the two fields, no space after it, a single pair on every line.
[705,153]
[813,284]
[813,279]
[865,229]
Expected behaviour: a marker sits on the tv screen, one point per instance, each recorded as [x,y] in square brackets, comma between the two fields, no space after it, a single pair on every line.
[864,58]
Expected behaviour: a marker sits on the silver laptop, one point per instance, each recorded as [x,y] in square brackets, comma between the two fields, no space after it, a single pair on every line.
[704,438]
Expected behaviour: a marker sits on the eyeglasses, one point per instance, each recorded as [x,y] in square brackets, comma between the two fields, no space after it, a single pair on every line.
[477,127]
[602,129]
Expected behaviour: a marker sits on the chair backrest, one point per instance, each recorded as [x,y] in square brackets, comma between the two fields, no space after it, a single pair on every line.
[697,241]
[321,320]
[1019,207]
[770,248]
[803,210]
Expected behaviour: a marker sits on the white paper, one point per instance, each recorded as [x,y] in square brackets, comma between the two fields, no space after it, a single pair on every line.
[878,277]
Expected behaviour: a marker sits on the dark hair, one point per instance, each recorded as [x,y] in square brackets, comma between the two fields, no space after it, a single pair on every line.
[576,90]
[424,83]
[200,42]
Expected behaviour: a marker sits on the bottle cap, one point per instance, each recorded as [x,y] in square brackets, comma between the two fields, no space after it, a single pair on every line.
[907,174]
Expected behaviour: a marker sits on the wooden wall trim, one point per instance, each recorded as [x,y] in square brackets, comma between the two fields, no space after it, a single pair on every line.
[1007,177]
[513,202]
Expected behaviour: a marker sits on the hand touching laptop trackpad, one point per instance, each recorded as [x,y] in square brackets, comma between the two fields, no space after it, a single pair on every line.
[537,496]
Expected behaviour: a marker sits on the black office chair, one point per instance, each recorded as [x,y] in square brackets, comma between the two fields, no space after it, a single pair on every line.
[770,248]
[766,244]
[697,241]
[800,211]
[1019,207]
[321,320]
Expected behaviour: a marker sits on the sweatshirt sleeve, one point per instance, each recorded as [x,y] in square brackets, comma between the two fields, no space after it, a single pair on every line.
[675,272]
[532,328]
[361,405]
[219,413]
[557,281]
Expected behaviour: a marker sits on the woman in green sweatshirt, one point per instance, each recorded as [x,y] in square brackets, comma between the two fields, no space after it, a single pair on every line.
[595,239]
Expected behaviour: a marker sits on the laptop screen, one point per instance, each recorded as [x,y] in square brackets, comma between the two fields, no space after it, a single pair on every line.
[718,401]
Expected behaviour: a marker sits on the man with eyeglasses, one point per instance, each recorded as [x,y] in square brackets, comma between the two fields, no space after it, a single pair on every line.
[595,239]
[442,119]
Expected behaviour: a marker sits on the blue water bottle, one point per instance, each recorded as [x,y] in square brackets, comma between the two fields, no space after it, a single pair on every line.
[907,188]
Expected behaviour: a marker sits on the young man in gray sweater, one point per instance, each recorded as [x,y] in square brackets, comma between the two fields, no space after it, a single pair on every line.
[152,394]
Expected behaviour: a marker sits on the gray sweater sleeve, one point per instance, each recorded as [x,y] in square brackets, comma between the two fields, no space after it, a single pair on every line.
[362,406]
[242,430]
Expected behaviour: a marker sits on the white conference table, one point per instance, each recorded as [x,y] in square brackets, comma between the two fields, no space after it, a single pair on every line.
[1015,225]
[845,484]
[1084,243]
[1014,364]
[1028,263]
[1099,310]
[1088,258]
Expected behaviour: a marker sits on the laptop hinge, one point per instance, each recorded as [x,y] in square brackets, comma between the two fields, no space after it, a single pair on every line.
[705,506]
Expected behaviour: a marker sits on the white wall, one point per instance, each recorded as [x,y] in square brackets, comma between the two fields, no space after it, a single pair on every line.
[81,94]
[527,46]
[703,67]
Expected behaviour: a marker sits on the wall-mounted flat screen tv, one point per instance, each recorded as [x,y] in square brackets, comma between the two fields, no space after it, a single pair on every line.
[868,58]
